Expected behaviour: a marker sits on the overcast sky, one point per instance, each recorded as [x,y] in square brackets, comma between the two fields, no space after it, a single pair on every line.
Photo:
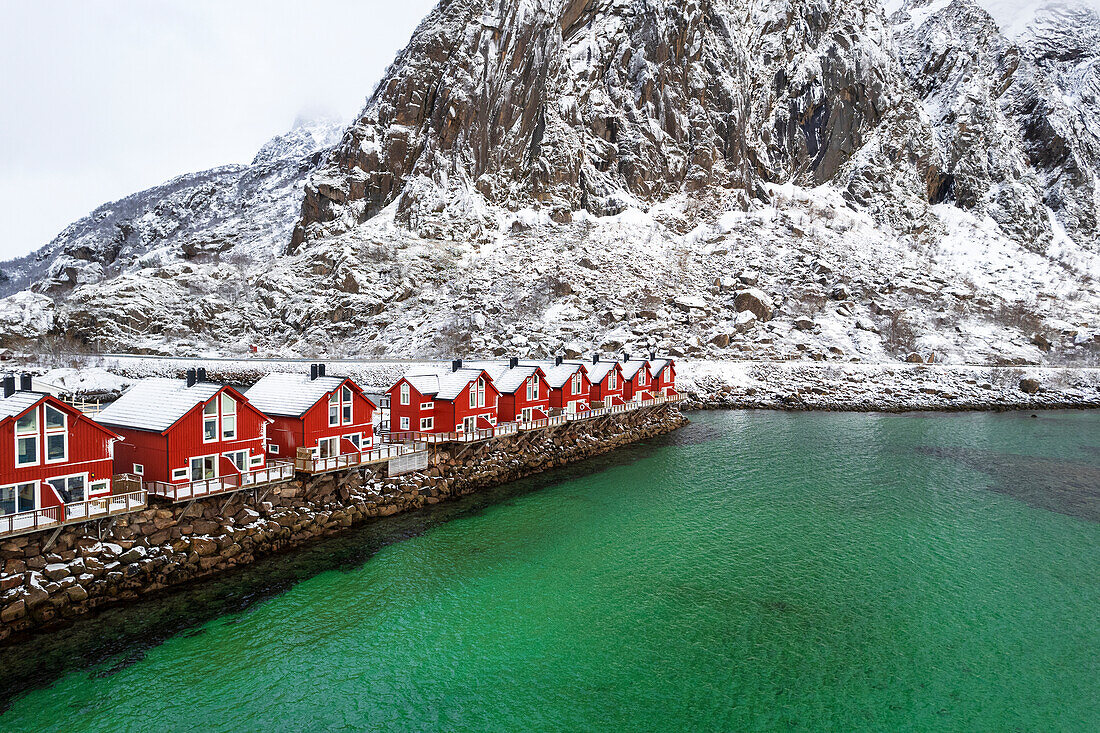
[104,98]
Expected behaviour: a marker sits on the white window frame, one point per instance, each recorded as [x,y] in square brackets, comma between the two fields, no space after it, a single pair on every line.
[256,461]
[481,392]
[328,442]
[533,387]
[527,414]
[473,394]
[334,409]
[406,393]
[104,484]
[347,405]
[139,469]
[82,476]
[273,448]
[404,423]
[355,439]
[63,431]
[427,405]
[210,418]
[224,398]
[36,436]
[16,500]
[242,454]
[577,384]
[611,379]
[180,474]
[426,424]
[191,467]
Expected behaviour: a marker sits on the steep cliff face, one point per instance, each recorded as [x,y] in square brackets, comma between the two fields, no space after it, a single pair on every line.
[605,104]
[728,178]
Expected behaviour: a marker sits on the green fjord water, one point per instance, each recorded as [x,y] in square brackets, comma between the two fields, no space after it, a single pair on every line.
[754,571]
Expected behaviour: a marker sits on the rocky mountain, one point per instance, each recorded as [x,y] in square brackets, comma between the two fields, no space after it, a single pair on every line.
[798,179]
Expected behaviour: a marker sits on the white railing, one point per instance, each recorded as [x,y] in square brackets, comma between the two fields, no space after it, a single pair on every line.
[545,422]
[275,472]
[72,513]
[352,460]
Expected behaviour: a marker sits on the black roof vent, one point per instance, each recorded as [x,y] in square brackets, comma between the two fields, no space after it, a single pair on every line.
[557,361]
[513,362]
[320,370]
[595,358]
[9,386]
[191,375]
[200,374]
[626,356]
[25,382]
[456,365]
[652,355]
[312,372]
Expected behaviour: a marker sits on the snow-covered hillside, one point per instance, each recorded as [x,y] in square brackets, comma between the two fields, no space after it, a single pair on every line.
[816,179]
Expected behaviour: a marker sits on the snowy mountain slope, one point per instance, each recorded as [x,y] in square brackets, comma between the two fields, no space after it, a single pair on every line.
[716,178]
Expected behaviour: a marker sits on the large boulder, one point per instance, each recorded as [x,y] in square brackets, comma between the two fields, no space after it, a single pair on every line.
[755,301]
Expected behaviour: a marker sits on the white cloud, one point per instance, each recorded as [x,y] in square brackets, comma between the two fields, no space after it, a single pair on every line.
[105,99]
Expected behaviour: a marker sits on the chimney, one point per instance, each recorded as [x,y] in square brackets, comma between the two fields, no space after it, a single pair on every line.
[312,372]
[25,382]
[320,370]
[595,358]
[652,355]
[200,374]
[513,362]
[9,385]
[626,356]
[190,377]
[456,365]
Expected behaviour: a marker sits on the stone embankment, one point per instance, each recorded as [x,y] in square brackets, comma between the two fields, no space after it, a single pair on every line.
[886,387]
[91,566]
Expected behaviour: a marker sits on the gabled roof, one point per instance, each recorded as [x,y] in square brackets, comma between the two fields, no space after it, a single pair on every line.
[656,365]
[156,404]
[17,403]
[597,372]
[556,375]
[292,395]
[444,384]
[509,379]
[632,367]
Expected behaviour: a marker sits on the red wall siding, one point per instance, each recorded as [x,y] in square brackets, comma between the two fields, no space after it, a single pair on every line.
[148,449]
[315,421]
[185,436]
[509,412]
[412,410]
[287,433]
[88,451]
[561,397]
[601,390]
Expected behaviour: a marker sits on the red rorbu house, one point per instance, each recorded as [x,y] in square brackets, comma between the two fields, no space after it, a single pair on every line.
[51,454]
[462,400]
[524,395]
[662,373]
[568,384]
[180,433]
[606,379]
[330,416]
[637,384]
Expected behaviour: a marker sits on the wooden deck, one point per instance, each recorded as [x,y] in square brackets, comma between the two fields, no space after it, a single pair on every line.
[355,460]
[276,472]
[72,513]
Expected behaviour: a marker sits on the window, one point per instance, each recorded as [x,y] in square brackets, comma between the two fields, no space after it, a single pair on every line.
[427,423]
[427,405]
[354,439]
[255,461]
[204,467]
[333,409]
[273,448]
[404,423]
[345,397]
[527,414]
[99,487]
[229,417]
[473,396]
[611,380]
[180,474]
[477,393]
[238,458]
[642,375]
[69,488]
[210,422]
[533,387]
[26,439]
[57,438]
[17,498]
[668,373]
[328,447]
[405,398]
[577,383]
[139,469]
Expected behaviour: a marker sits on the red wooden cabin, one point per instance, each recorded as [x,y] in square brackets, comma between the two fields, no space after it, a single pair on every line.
[458,400]
[568,385]
[524,394]
[663,374]
[606,378]
[51,454]
[331,416]
[178,431]
[637,384]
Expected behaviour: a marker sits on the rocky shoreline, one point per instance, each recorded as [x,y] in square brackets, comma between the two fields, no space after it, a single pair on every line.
[89,567]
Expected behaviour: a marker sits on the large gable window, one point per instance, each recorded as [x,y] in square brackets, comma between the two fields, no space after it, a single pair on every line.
[229,417]
[210,421]
[26,439]
[611,380]
[533,387]
[56,435]
[405,398]
[345,398]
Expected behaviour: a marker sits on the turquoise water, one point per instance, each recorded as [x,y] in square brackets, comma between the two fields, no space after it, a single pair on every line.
[754,571]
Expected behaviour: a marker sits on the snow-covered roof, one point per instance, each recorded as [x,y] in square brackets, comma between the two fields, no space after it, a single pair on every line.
[598,371]
[156,404]
[444,384]
[509,379]
[11,406]
[632,367]
[656,365]
[556,374]
[290,395]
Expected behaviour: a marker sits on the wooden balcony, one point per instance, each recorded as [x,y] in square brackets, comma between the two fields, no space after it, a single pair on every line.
[354,460]
[72,513]
[276,472]
[474,436]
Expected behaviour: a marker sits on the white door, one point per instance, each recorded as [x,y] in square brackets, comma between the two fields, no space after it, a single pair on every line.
[469,424]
